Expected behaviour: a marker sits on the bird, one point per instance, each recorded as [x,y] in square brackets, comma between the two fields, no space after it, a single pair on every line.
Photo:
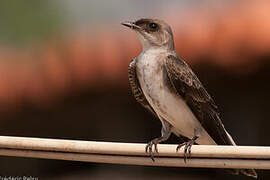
[165,85]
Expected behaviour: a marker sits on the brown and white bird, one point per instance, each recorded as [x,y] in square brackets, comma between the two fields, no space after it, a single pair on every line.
[165,85]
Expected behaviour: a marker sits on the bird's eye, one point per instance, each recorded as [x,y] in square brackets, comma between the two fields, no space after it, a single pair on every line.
[153,26]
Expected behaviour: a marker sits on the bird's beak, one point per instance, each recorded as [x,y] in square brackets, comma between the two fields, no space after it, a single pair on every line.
[131,25]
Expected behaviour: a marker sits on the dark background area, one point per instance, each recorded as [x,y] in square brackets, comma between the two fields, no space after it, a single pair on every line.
[68,79]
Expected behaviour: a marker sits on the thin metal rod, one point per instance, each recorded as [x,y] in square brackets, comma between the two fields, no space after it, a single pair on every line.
[141,160]
[131,148]
[131,153]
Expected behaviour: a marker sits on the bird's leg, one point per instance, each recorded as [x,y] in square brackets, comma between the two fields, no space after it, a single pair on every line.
[165,134]
[187,145]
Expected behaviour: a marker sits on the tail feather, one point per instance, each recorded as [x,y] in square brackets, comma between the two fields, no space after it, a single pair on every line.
[247,172]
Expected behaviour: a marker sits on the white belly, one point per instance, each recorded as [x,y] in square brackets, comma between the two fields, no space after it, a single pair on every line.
[166,104]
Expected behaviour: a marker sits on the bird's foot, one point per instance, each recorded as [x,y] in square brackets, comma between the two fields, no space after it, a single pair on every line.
[149,148]
[187,147]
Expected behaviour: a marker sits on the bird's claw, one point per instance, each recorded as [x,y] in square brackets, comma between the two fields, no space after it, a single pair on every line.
[187,148]
[149,148]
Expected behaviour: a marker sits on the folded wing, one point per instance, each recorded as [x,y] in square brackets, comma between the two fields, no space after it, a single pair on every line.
[187,85]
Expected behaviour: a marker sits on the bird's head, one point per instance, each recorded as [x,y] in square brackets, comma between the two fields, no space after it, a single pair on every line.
[153,33]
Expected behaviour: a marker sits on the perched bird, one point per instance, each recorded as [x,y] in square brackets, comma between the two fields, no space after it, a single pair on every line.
[165,85]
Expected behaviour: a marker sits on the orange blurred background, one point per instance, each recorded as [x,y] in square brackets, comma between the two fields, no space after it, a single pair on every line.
[63,74]
[231,36]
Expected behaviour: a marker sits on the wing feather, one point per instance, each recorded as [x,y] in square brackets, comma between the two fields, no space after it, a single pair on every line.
[136,88]
[188,86]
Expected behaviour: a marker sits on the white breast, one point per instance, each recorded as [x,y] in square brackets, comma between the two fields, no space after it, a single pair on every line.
[165,103]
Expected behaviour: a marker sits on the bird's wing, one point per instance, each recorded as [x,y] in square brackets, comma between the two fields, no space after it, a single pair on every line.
[183,80]
[136,88]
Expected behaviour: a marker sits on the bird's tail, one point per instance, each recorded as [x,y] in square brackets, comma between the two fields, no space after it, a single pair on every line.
[247,172]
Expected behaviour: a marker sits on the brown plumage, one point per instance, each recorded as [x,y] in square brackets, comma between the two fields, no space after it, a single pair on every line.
[136,88]
[188,86]
[166,86]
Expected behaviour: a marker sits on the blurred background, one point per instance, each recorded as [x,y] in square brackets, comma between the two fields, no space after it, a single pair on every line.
[63,74]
